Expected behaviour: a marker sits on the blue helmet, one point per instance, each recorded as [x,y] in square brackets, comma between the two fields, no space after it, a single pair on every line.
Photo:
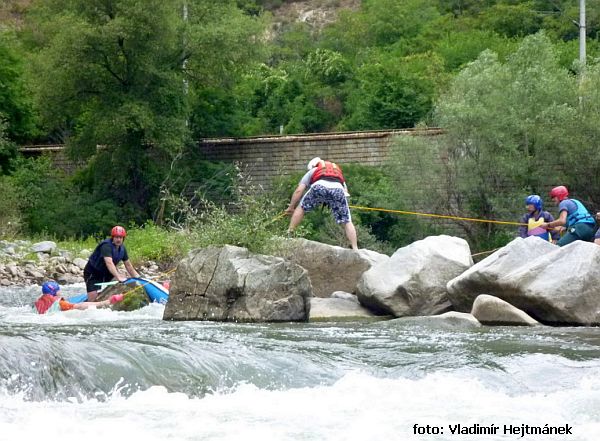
[51,288]
[534,200]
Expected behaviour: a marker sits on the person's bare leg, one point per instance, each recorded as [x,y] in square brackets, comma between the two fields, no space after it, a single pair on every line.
[351,235]
[597,241]
[297,217]
[92,296]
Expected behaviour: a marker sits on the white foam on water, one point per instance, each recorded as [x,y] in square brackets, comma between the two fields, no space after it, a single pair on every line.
[26,315]
[358,407]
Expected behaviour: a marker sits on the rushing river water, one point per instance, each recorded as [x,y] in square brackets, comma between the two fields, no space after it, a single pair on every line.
[104,375]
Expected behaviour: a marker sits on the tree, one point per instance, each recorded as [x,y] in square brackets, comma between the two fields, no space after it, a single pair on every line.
[391,92]
[14,105]
[111,82]
[509,125]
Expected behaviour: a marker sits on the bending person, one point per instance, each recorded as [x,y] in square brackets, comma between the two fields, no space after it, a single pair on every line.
[326,185]
[577,220]
[102,264]
[52,301]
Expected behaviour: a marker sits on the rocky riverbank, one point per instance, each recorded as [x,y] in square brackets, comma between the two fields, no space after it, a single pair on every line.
[25,263]
[528,282]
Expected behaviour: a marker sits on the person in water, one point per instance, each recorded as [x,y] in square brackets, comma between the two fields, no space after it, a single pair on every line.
[577,220]
[534,218]
[52,301]
[102,264]
[326,186]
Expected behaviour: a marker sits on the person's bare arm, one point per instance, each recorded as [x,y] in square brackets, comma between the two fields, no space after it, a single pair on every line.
[296,198]
[560,222]
[130,269]
[113,269]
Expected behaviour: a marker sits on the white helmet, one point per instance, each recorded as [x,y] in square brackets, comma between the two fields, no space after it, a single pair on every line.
[313,163]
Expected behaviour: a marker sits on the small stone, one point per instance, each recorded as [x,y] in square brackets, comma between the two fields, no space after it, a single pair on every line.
[5,282]
[344,295]
[79,262]
[74,269]
[12,269]
[44,247]
[34,273]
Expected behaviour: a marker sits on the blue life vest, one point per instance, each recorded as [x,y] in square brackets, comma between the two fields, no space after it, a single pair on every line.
[581,215]
[97,260]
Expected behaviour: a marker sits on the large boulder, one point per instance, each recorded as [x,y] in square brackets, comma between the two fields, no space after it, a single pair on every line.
[329,267]
[491,310]
[337,309]
[557,286]
[231,284]
[413,281]
[483,277]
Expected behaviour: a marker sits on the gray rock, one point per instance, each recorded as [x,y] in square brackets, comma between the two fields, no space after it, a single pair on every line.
[413,281]
[12,269]
[80,263]
[67,255]
[10,251]
[491,310]
[36,274]
[451,319]
[74,269]
[330,268]
[67,278]
[58,260]
[337,309]
[85,254]
[478,279]
[345,295]
[231,284]
[5,282]
[44,247]
[42,257]
[558,286]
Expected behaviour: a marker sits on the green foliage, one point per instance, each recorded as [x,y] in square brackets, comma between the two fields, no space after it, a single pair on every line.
[8,149]
[49,203]
[513,128]
[14,103]
[112,74]
[393,93]
[253,225]
[10,215]
[150,242]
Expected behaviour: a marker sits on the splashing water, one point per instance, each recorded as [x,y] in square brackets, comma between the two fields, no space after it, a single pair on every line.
[99,374]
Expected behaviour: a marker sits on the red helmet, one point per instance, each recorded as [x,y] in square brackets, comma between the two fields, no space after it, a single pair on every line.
[118,231]
[559,192]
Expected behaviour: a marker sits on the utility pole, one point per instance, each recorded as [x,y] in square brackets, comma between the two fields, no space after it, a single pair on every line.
[582,32]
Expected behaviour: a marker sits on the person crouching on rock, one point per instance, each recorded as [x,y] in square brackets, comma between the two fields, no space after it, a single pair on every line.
[534,218]
[102,264]
[51,300]
[326,185]
[577,220]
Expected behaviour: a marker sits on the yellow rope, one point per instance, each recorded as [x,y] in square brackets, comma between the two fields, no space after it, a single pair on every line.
[276,218]
[484,252]
[441,216]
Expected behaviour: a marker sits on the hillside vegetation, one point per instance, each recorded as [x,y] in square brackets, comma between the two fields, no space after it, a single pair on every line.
[142,82]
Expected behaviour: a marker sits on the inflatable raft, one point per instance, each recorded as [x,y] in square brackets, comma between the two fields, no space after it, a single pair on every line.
[155,291]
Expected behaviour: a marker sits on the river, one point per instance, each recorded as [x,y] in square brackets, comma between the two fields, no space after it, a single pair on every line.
[104,375]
